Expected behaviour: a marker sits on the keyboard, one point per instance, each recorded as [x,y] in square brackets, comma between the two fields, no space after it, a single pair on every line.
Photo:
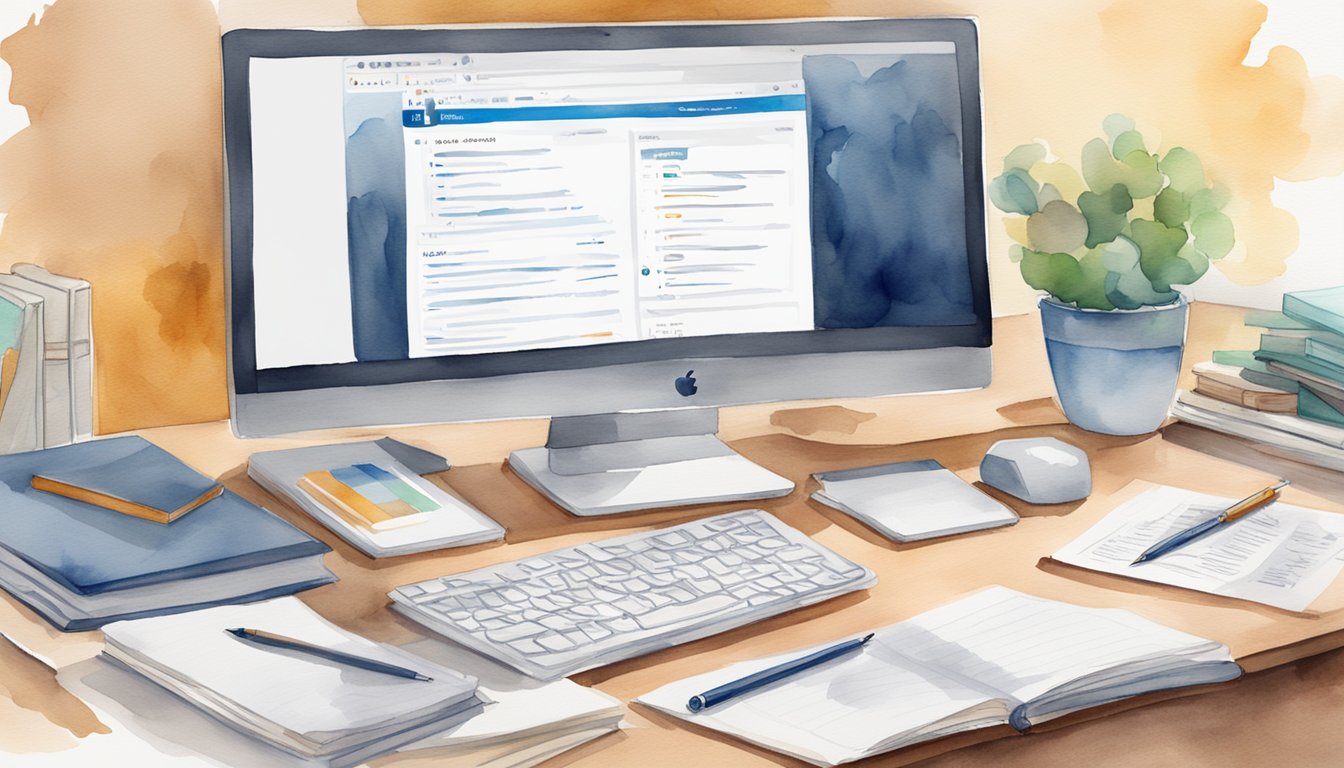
[593,604]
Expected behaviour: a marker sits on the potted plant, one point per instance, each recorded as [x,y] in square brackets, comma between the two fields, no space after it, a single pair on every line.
[1110,247]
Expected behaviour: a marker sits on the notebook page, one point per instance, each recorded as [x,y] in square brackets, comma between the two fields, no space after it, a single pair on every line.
[838,711]
[1280,555]
[299,693]
[1025,646]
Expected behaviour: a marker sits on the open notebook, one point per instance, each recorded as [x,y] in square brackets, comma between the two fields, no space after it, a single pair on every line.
[994,657]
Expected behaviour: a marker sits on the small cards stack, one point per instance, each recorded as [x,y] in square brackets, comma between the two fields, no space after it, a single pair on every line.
[366,494]
[372,495]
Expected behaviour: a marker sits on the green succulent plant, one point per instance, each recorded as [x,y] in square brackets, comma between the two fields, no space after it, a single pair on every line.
[1122,235]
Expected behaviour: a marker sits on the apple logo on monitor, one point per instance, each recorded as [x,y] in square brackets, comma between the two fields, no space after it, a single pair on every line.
[686,384]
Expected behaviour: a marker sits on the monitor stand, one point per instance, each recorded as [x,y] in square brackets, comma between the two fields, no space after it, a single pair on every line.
[621,462]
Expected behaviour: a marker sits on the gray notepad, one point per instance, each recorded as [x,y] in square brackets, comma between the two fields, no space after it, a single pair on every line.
[911,500]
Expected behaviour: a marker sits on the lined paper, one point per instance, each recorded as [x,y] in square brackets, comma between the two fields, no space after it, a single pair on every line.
[1023,646]
[841,710]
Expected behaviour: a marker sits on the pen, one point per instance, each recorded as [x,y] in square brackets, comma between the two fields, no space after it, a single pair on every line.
[289,643]
[778,672]
[1249,504]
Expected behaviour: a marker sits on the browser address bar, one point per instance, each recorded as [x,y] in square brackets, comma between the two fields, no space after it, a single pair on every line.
[530,79]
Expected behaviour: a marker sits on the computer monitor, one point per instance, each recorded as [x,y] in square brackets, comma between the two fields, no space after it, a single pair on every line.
[451,224]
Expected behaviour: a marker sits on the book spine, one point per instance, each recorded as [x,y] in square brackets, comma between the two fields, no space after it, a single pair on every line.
[81,363]
[1321,351]
[89,496]
[1283,344]
[1312,314]
[23,418]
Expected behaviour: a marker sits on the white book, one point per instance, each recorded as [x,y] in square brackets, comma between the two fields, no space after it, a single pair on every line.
[1269,439]
[455,523]
[69,344]
[22,339]
[995,657]
[911,500]
[1281,554]
[1327,434]
[302,704]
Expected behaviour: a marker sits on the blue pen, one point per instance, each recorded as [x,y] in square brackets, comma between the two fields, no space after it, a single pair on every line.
[1181,538]
[778,672]
[290,644]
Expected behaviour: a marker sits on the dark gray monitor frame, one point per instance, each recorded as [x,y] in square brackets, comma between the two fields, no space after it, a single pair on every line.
[730,369]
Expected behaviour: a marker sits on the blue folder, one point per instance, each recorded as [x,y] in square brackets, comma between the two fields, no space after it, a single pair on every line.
[91,550]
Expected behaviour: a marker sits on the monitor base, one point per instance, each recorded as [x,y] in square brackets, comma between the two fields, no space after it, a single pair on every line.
[614,463]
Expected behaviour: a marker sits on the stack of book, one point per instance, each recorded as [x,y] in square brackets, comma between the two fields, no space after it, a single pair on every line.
[1287,396]
[85,557]
[46,360]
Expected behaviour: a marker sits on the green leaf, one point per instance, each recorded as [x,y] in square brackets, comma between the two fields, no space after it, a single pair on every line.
[1048,194]
[1099,168]
[1092,290]
[1116,124]
[1105,213]
[1137,170]
[1131,289]
[1127,142]
[1066,278]
[1023,157]
[1014,192]
[1184,170]
[1213,234]
[1206,200]
[1196,262]
[1141,174]
[1120,255]
[1171,207]
[1159,254]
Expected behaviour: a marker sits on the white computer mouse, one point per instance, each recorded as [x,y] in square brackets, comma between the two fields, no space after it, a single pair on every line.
[1040,470]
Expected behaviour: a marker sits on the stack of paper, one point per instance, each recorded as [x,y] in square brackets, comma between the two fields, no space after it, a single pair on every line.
[451,523]
[528,719]
[911,500]
[302,704]
[80,565]
[995,657]
[524,720]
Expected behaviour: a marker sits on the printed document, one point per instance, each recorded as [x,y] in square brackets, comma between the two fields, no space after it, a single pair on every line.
[1281,555]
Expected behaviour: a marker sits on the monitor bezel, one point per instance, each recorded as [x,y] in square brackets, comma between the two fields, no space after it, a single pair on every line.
[241,45]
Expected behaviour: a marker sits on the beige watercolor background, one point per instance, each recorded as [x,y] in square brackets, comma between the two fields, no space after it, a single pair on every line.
[118,178]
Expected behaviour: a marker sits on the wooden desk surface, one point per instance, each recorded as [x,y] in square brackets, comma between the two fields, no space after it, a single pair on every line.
[797,440]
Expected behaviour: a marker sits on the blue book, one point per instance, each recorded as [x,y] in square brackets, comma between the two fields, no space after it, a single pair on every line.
[1321,308]
[89,550]
[1332,373]
[148,482]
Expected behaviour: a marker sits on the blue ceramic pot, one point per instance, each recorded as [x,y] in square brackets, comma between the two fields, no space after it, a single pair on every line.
[1115,371]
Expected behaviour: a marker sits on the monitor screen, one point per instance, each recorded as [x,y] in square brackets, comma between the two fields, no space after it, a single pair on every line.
[447,206]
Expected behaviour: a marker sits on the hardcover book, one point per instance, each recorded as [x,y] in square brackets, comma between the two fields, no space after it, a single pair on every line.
[148,483]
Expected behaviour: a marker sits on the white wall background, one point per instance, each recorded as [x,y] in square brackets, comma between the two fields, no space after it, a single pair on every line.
[1315,28]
